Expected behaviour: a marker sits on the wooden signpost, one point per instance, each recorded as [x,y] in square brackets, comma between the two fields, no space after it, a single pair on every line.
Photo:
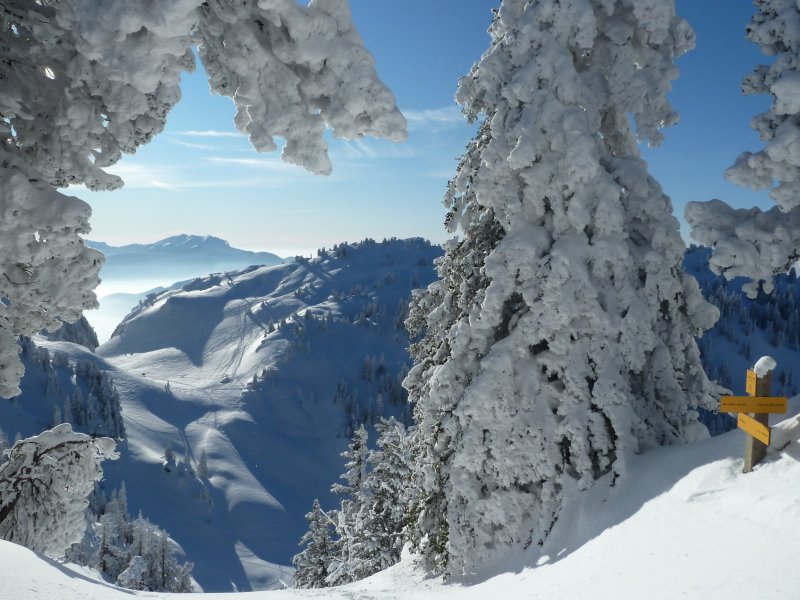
[759,404]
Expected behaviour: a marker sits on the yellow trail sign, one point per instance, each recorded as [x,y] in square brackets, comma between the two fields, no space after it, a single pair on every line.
[750,386]
[752,404]
[754,428]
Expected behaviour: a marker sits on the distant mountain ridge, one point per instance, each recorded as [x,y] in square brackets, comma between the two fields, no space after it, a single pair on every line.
[179,257]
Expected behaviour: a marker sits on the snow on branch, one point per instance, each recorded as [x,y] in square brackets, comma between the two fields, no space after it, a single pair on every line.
[747,242]
[47,271]
[752,243]
[44,487]
[292,71]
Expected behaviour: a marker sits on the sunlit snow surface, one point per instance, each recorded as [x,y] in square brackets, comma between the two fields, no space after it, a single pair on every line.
[684,523]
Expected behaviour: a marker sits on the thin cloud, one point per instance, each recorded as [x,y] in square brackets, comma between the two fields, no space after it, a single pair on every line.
[194,146]
[166,177]
[258,163]
[162,184]
[437,118]
[369,149]
[210,133]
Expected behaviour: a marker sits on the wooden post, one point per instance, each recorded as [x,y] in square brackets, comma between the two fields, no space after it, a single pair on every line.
[754,450]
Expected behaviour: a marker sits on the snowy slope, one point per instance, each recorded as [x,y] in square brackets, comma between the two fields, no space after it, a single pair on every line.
[685,523]
[266,370]
[131,272]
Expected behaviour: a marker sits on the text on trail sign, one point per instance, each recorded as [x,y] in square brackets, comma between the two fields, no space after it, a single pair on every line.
[750,385]
[753,404]
[758,430]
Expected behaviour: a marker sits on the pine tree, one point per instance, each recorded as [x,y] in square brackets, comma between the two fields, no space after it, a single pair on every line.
[560,337]
[381,532]
[3,446]
[202,466]
[320,549]
[346,567]
[169,454]
[44,487]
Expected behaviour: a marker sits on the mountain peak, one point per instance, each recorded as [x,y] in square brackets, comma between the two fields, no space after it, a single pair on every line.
[184,240]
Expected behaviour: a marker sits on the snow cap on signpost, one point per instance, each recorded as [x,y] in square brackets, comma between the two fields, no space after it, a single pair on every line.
[764,366]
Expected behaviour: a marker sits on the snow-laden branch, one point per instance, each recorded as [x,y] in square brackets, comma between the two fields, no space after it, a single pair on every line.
[86,80]
[48,272]
[44,486]
[747,243]
[293,71]
[751,243]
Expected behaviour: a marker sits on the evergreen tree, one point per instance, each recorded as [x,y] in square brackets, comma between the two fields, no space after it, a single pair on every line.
[202,466]
[44,486]
[387,509]
[169,454]
[560,337]
[3,446]
[346,567]
[320,549]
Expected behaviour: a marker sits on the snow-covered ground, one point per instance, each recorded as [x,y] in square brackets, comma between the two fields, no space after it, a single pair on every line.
[683,523]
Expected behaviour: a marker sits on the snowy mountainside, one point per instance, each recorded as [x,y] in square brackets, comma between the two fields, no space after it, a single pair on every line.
[132,271]
[267,371]
[684,523]
[115,307]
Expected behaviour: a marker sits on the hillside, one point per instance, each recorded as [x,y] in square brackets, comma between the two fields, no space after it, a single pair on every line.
[685,523]
[267,370]
[133,271]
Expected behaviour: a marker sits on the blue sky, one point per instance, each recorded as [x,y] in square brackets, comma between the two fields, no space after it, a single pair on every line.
[201,177]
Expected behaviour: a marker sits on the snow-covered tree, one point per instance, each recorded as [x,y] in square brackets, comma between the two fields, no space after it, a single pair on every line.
[388,498]
[135,554]
[349,519]
[320,549]
[750,242]
[151,563]
[560,337]
[84,83]
[101,411]
[44,487]
[41,250]
[3,446]
[134,575]
[202,466]
[169,453]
